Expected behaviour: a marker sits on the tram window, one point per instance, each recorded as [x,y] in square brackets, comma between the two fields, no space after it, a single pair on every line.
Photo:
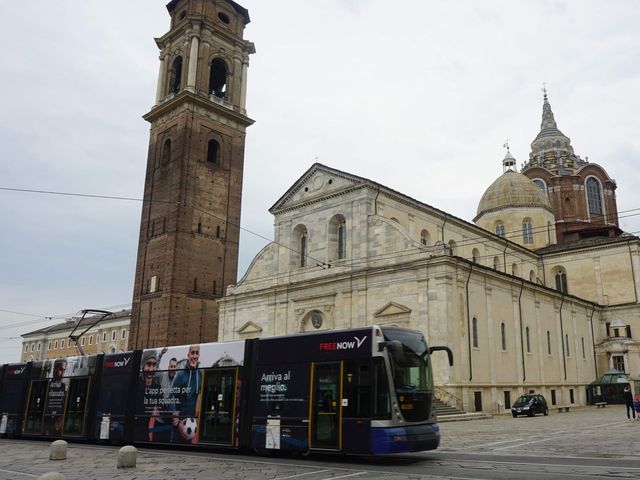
[358,389]
[382,403]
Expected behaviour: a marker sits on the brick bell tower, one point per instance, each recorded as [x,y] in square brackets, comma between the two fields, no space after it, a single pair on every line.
[189,231]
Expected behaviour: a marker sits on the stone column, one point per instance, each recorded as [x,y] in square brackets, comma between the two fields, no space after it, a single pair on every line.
[235,86]
[243,87]
[162,75]
[193,64]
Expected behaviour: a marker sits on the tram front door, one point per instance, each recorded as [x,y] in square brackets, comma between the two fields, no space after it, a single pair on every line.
[326,409]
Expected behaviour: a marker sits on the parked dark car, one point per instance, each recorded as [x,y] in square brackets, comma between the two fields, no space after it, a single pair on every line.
[530,404]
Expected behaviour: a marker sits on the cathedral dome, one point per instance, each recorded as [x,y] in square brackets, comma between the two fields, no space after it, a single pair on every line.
[511,189]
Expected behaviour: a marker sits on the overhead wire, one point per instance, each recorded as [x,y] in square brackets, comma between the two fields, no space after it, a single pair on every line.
[472,241]
[478,240]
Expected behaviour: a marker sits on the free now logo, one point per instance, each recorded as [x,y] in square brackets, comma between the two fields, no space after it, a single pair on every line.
[117,363]
[345,345]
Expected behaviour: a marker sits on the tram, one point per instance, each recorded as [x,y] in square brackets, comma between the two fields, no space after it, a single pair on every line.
[357,391]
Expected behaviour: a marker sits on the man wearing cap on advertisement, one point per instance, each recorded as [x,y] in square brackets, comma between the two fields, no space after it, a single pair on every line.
[189,382]
[150,426]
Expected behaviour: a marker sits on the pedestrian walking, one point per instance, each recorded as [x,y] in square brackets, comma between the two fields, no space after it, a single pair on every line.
[636,405]
[628,400]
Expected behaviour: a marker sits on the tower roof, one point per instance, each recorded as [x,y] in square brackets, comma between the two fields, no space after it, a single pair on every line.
[551,149]
[549,131]
[548,127]
[238,8]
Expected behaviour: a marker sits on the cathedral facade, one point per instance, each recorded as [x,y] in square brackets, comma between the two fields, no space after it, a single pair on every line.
[534,295]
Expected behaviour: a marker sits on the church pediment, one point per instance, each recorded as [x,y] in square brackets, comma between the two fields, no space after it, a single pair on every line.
[317,182]
[249,327]
[392,308]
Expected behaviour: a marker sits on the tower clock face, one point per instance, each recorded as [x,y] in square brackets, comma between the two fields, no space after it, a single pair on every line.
[316,320]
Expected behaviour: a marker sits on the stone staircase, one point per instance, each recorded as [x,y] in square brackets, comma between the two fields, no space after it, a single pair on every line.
[443,409]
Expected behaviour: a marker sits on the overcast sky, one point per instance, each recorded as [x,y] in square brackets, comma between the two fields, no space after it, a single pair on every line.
[417,95]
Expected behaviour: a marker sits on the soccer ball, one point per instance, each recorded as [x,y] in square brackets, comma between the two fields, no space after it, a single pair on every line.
[189,427]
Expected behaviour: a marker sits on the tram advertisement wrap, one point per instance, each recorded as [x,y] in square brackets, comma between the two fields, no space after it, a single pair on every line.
[170,387]
[111,405]
[16,377]
[283,395]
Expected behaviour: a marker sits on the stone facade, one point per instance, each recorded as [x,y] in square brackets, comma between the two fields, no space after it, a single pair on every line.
[189,231]
[406,263]
[109,336]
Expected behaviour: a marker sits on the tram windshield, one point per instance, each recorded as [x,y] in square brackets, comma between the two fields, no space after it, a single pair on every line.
[411,373]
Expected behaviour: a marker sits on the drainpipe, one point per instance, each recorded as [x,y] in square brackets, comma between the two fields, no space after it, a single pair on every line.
[469,320]
[524,371]
[375,202]
[633,275]
[544,273]
[564,353]
[593,341]
[446,217]
[504,256]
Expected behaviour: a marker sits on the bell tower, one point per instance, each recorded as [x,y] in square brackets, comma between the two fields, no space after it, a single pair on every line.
[189,230]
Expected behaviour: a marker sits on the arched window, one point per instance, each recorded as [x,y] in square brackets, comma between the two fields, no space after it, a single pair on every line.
[337,238]
[218,78]
[528,338]
[566,341]
[594,196]
[303,250]
[496,263]
[342,238]
[548,342]
[561,280]
[452,247]
[424,237]
[514,269]
[166,152]
[503,336]
[474,327]
[527,231]
[532,276]
[299,246]
[475,255]
[541,185]
[213,152]
[500,228]
[175,75]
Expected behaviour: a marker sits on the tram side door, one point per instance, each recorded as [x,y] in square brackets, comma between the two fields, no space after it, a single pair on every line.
[218,406]
[326,408]
[74,419]
[35,407]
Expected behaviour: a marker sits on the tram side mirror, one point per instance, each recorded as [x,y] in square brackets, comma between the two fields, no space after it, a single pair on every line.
[439,348]
[395,349]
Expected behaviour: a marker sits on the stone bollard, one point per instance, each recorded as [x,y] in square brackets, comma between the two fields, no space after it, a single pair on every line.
[127,457]
[51,476]
[58,450]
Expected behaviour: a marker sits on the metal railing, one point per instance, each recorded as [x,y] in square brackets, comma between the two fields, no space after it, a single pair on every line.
[447,397]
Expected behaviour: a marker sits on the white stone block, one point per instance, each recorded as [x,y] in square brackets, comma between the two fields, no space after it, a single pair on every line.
[51,476]
[127,457]
[58,450]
